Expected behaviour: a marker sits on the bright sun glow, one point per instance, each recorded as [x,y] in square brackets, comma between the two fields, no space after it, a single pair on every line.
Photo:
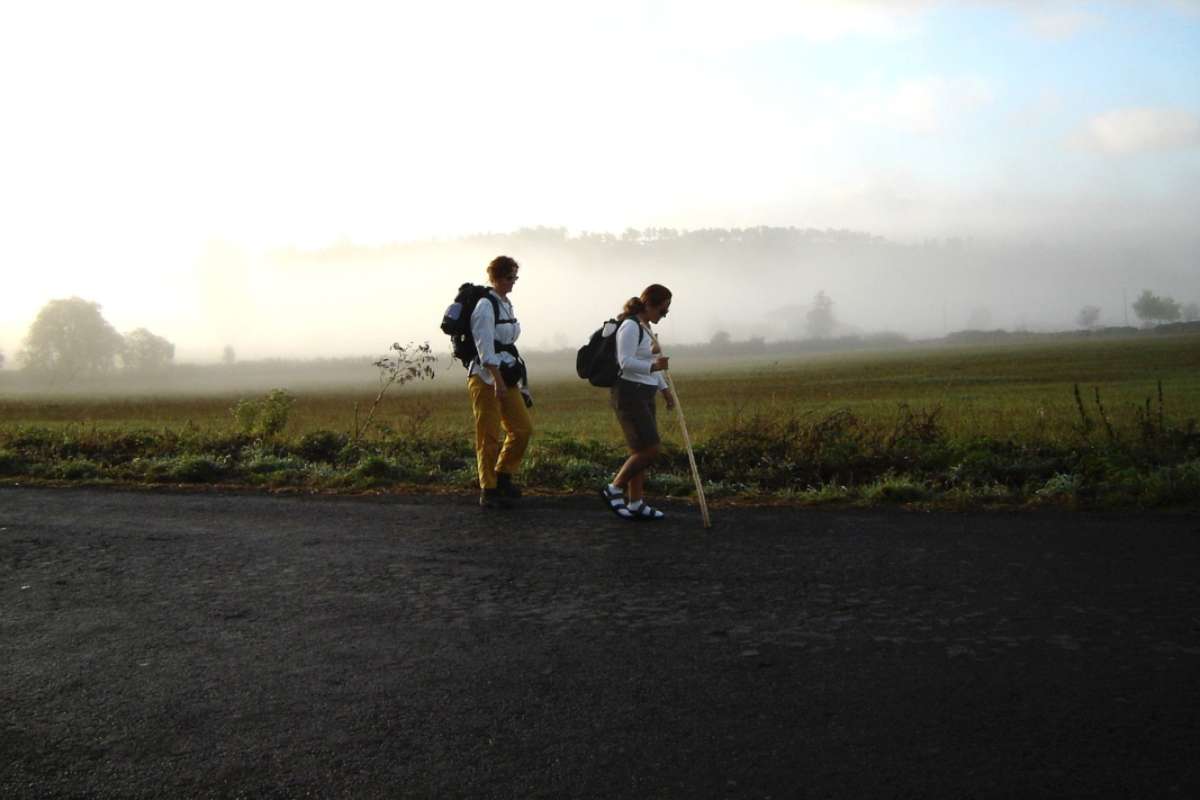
[154,155]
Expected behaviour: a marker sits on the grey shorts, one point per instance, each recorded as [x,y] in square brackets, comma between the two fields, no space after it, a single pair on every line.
[635,407]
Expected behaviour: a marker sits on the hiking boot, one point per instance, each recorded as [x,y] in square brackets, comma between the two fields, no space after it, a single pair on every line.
[492,498]
[506,487]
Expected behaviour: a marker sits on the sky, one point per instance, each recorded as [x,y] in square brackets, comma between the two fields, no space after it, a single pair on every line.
[155,154]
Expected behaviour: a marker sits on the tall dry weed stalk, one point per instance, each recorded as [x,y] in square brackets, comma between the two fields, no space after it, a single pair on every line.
[1112,436]
[402,365]
[1085,422]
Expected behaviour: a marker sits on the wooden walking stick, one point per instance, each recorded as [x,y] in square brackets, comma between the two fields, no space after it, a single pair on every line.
[687,441]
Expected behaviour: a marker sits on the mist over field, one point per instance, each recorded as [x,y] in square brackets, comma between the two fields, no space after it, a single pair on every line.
[349,299]
[321,187]
[757,282]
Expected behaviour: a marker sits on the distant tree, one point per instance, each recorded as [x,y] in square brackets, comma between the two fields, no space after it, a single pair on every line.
[1150,308]
[1191,313]
[69,339]
[1,359]
[979,320]
[145,352]
[1088,317]
[227,355]
[720,340]
[820,316]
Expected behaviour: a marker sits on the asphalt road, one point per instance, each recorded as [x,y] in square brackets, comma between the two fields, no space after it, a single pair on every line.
[220,645]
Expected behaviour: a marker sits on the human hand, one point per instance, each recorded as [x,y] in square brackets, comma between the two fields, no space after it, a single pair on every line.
[660,364]
[670,399]
[501,388]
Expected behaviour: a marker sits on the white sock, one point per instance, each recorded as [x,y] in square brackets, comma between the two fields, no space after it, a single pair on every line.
[635,505]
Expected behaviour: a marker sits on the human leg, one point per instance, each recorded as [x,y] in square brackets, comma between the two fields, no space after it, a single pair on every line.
[518,430]
[631,476]
[486,409]
[636,489]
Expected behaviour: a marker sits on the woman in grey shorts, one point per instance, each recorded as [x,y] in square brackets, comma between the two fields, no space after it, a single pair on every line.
[633,398]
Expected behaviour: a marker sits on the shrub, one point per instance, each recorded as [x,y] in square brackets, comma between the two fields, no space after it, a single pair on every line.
[986,462]
[77,469]
[896,489]
[266,463]
[1182,482]
[11,463]
[321,473]
[265,417]
[1061,486]
[324,446]
[120,446]
[374,469]
[186,469]
[826,493]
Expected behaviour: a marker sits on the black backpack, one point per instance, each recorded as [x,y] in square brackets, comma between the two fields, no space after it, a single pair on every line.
[456,322]
[596,361]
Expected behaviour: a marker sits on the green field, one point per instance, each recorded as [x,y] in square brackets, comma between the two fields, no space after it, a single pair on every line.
[999,392]
[834,427]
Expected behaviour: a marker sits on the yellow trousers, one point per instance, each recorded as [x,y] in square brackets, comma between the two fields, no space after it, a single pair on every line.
[490,414]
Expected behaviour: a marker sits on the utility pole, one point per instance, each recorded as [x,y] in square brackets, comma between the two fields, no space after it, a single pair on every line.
[1125,306]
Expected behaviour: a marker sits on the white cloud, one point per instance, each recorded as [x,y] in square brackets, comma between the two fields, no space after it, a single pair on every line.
[1137,130]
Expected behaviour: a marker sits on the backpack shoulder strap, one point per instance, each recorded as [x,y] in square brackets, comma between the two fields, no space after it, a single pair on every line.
[641,331]
[496,308]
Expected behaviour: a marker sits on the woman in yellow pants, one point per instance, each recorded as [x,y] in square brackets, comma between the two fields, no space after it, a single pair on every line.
[496,383]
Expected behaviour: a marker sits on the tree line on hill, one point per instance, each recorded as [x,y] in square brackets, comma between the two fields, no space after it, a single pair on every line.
[71,340]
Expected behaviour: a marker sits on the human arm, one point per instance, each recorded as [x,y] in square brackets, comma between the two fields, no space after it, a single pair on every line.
[628,359]
[663,385]
[483,331]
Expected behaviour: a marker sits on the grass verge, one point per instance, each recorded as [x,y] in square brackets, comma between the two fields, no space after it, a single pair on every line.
[835,458]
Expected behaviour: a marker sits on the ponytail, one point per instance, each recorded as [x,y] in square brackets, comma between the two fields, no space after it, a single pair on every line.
[633,307]
[655,293]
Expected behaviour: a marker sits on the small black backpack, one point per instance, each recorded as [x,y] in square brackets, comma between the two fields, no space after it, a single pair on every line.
[456,322]
[596,361]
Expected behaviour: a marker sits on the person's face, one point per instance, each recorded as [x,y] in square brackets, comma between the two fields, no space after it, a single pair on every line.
[505,285]
[658,312]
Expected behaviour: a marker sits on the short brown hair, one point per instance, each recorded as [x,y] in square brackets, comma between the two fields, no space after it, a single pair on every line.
[501,267]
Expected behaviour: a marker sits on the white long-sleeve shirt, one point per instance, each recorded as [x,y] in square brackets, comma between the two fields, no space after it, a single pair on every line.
[486,333]
[636,358]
